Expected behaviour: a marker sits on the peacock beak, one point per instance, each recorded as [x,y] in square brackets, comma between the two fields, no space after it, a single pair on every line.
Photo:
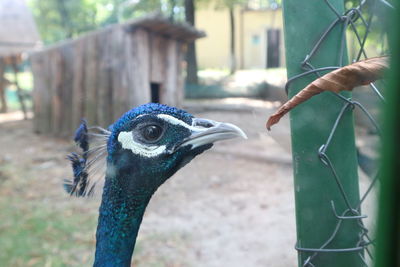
[204,131]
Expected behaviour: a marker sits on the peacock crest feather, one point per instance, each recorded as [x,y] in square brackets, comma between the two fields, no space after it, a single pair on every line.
[89,165]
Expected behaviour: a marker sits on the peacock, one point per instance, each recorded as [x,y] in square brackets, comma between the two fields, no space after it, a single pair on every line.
[136,155]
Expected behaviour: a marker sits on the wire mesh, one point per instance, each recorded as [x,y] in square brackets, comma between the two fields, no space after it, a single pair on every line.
[356,21]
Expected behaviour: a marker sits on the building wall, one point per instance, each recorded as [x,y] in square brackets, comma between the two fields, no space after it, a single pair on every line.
[250,40]
[213,50]
[255,25]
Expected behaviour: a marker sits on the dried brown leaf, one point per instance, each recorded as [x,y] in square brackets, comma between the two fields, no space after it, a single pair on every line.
[343,79]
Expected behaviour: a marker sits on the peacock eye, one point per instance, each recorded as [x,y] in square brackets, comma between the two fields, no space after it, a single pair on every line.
[152,133]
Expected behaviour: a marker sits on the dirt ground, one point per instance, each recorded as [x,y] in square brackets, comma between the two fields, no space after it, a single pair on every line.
[232,206]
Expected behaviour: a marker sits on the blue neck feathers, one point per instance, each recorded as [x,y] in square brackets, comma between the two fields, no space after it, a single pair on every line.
[120,217]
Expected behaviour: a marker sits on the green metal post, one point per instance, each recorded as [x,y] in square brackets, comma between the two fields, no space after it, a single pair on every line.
[388,232]
[311,124]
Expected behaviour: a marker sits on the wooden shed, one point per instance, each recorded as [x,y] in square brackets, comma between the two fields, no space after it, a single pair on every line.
[103,74]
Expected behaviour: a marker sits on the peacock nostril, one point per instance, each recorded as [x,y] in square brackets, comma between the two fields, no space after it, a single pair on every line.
[203,123]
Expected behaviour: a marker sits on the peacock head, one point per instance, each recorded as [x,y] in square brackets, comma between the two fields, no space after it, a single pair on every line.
[148,144]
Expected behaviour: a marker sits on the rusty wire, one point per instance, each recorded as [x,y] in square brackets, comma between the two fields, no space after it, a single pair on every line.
[347,20]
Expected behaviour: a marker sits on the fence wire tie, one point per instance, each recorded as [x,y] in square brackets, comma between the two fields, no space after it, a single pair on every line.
[353,14]
[346,211]
[330,250]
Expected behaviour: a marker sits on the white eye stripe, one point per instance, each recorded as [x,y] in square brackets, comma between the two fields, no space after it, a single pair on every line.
[176,121]
[172,120]
[127,142]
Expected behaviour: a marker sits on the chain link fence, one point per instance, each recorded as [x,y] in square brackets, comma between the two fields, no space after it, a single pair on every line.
[355,21]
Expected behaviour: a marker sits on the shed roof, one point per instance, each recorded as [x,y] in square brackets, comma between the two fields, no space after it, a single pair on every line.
[18,32]
[155,23]
[159,24]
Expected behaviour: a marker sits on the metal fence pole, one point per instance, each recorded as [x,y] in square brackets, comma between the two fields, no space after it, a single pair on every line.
[388,232]
[316,190]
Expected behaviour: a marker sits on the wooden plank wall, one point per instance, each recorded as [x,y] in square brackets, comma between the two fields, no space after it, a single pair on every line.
[137,50]
[101,76]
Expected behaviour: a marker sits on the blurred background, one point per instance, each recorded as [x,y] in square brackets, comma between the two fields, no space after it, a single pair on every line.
[218,59]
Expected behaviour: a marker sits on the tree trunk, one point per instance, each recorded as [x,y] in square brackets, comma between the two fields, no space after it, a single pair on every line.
[232,41]
[191,50]
[19,90]
[65,18]
[2,88]
[172,4]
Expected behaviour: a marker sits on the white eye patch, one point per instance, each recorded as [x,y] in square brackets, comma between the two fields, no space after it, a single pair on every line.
[148,151]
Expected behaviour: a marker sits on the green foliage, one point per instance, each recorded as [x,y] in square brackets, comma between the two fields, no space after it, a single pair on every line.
[25,79]
[61,19]
[58,19]
[224,4]
[375,13]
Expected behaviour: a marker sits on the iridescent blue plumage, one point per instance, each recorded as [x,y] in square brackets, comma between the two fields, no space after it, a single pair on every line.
[81,136]
[145,147]
[78,163]
[126,120]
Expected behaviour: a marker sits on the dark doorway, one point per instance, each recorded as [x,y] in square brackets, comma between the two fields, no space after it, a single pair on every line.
[155,92]
[273,48]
